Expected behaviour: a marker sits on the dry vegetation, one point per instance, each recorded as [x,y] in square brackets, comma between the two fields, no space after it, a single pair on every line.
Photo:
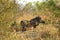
[48,31]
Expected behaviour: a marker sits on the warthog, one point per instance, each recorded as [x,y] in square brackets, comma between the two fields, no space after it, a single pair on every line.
[32,23]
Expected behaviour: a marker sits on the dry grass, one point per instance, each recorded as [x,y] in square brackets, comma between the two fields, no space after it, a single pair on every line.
[42,32]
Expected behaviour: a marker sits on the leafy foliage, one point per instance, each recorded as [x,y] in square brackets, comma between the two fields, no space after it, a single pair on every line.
[7,13]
